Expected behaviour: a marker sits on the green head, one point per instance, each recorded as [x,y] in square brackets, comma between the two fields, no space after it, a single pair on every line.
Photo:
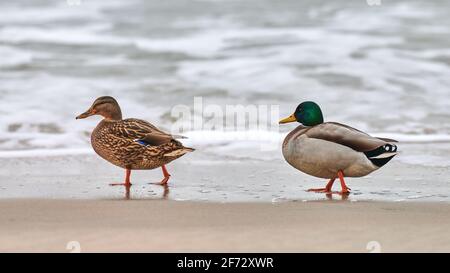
[307,113]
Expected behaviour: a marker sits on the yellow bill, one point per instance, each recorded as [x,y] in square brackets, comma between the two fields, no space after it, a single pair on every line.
[291,118]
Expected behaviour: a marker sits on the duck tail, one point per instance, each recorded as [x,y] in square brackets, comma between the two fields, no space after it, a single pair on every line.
[189,150]
[178,137]
[180,152]
[382,155]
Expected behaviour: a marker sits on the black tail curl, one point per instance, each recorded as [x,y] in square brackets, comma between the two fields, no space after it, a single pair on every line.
[382,155]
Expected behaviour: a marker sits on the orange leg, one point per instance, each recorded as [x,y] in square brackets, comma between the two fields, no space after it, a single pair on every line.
[345,189]
[127,182]
[327,188]
[166,175]
[165,179]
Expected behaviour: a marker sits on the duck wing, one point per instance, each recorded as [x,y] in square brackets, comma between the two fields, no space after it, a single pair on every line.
[350,137]
[388,139]
[143,132]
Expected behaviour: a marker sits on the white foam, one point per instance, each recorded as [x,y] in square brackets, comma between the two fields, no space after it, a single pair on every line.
[44,153]
[14,57]
[59,11]
[210,137]
[78,36]
[425,138]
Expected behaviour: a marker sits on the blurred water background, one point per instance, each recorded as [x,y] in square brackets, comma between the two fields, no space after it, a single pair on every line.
[383,69]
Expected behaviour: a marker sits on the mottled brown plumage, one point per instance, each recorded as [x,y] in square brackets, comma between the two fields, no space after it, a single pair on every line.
[117,142]
[132,144]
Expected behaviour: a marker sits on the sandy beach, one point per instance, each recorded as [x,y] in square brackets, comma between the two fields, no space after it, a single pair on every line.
[254,206]
[170,226]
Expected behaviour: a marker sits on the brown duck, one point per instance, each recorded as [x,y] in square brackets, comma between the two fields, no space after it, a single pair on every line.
[132,144]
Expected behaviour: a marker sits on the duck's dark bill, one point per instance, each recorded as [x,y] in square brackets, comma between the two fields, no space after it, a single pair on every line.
[86,114]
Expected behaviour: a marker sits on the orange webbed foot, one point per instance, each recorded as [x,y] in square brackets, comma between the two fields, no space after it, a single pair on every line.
[320,190]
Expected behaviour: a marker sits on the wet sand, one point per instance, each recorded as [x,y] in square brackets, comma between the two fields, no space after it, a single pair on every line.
[170,226]
[205,176]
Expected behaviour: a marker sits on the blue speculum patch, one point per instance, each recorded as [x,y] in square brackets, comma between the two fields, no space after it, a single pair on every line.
[142,142]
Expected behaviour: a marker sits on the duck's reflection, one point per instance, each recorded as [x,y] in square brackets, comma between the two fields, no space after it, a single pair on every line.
[166,191]
[343,196]
[164,196]
[127,192]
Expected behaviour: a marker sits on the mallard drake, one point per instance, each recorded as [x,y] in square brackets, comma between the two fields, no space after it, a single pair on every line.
[332,150]
[132,144]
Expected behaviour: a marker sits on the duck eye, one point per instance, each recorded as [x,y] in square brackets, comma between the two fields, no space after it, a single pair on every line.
[99,103]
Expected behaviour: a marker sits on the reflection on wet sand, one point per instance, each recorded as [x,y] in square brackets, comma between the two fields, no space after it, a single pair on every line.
[344,196]
[329,195]
[165,195]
